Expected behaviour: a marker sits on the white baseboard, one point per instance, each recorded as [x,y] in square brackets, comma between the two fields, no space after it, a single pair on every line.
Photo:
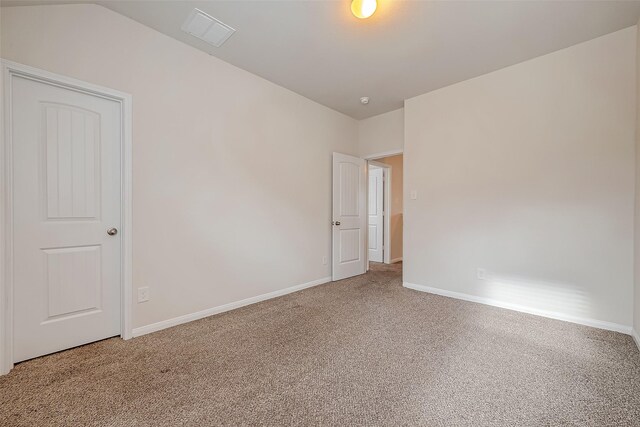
[154,327]
[393,261]
[636,337]
[516,307]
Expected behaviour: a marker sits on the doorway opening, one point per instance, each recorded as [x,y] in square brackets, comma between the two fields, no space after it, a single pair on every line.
[385,210]
[366,228]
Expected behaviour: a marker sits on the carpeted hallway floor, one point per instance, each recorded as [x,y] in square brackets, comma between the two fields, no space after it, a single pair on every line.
[363,351]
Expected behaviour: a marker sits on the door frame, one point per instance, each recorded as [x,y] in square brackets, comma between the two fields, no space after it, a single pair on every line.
[12,69]
[386,207]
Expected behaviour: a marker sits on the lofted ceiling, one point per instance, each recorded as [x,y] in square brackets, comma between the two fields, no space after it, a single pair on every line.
[321,51]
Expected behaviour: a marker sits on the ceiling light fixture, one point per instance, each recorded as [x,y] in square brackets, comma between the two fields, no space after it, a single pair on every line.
[363,8]
[364,100]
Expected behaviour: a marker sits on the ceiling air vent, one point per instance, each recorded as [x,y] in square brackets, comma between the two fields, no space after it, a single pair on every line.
[207,28]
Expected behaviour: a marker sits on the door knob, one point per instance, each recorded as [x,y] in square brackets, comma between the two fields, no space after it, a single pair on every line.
[337,222]
[112,231]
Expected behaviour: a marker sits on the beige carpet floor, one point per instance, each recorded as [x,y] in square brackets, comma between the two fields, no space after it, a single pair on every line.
[363,351]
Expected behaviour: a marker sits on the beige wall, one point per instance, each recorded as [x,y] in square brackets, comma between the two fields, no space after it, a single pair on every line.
[528,172]
[396,204]
[381,135]
[231,173]
[636,317]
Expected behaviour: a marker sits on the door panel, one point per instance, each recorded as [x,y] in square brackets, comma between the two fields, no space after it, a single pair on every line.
[67,193]
[376,215]
[73,280]
[72,161]
[349,216]
[350,245]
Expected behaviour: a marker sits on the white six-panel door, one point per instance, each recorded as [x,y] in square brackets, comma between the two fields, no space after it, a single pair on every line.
[376,215]
[349,216]
[66,196]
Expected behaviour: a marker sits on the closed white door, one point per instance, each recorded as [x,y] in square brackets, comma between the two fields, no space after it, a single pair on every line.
[349,216]
[376,214]
[66,213]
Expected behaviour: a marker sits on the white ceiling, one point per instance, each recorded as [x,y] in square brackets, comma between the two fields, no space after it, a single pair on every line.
[319,50]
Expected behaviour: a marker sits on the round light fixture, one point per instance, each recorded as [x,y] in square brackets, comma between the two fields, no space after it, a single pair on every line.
[363,8]
[364,100]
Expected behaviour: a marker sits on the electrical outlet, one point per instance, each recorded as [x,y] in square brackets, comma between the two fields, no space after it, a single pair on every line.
[143,294]
[324,260]
[481,273]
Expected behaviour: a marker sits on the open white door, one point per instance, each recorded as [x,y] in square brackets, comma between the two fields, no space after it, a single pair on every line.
[376,214]
[349,216]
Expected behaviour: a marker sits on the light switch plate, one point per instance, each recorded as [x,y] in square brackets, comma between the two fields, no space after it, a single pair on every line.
[413,195]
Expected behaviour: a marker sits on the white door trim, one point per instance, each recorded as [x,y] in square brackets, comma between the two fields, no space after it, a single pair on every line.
[384,154]
[9,70]
[386,202]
